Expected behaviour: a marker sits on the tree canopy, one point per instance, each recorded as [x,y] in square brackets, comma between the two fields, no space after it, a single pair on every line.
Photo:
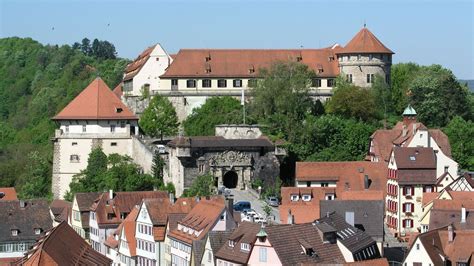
[98,49]
[202,186]
[117,172]
[215,111]
[461,137]
[159,118]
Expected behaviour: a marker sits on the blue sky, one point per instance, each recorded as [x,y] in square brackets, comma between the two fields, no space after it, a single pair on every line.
[425,32]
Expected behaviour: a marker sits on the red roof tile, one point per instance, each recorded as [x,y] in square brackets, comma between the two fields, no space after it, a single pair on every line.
[302,211]
[8,193]
[365,42]
[96,101]
[118,90]
[247,62]
[134,67]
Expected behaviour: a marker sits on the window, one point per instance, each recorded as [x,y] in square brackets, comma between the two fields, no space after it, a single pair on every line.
[231,243]
[237,83]
[14,232]
[174,82]
[113,144]
[67,128]
[330,196]
[417,246]
[77,215]
[93,215]
[316,83]
[349,78]
[295,197]
[122,124]
[370,78]
[74,144]
[408,207]
[370,57]
[112,128]
[262,255]
[306,197]
[412,158]
[408,223]
[446,168]
[209,256]
[206,83]
[324,184]
[83,128]
[74,158]
[408,191]
[252,83]
[221,83]
[245,246]
[191,83]
[331,83]
[359,57]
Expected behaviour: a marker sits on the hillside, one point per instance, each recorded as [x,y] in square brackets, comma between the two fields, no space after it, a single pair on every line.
[38,81]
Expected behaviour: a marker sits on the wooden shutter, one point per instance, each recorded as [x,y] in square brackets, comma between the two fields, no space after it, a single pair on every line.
[412,207]
[412,191]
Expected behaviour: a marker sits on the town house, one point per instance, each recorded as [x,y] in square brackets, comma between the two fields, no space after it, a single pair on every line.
[81,206]
[411,172]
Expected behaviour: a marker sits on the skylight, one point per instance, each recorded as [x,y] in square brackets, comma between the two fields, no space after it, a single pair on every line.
[412,158]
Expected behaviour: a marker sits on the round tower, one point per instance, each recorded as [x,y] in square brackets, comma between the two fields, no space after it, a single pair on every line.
[363,58]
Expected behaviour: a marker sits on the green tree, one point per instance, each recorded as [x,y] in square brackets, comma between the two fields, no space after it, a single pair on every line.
[202,186]
[36,181]
[351,101]
[281,100]
[402,75]
[461,137]
[157,168]
[437,96]
[159,118]
[382,97]
[215,111]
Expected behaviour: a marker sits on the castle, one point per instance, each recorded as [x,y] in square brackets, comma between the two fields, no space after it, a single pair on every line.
[193,75]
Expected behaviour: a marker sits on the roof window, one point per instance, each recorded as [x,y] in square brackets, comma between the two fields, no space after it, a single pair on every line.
[119,110]
[412,158]
[14,232]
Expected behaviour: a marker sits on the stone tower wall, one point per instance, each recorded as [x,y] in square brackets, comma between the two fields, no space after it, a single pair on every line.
[359,67]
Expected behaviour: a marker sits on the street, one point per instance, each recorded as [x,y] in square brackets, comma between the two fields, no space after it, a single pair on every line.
[257,205]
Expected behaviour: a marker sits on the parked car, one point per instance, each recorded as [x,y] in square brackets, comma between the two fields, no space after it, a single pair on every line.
[273,201]
[224,191]
[161,148]
[259,219]
[249,212]
[241,205]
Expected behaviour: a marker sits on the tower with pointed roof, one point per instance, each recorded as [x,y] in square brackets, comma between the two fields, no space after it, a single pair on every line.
[364,58]
[96,117]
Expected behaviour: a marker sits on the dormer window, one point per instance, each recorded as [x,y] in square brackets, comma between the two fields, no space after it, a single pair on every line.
[245,246]
[14,232]
[37,231]
[295,197]
[299,58]
[119,110]
[251,69]
[231,243]
[208,58]
[306,197]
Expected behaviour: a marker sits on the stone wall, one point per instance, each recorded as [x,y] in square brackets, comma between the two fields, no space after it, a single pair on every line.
[238,131]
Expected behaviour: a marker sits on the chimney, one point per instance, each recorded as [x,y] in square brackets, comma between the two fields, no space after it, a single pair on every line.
[197,198]
[366,182]
[22,204]
[111,193]
[450,233]
[463,214]
[229,203]
[290,219]
[350,218]
[404,131]
[171,195]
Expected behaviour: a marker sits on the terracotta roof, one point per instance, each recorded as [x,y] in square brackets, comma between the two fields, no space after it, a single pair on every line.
[63,246]
[134,67]
[118,90]
[362,195]
[85,200]
[461,195]
[245,233]
[201,218]
[122,203]
[246,63]
[428,197]
[365,42]
[416,165]
[287,239]
[129,225]
[8,193]
[302,211]
[61,210]
[34,214]
[437,245]
[96,102]
[383,140]
[368,214]
[374,262]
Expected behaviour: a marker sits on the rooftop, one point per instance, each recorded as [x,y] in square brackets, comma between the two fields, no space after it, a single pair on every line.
[8,193]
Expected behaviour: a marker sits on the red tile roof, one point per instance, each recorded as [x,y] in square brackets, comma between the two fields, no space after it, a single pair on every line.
[96,102]
[429,197]
[246,63]
[201,218]
[362,195]
[414,158]
[245,233]
[383,140]
[8,193]
[365,42]
[303,211]
[129,225]
[118,90]
[122,202]
[63,246]
[134,67]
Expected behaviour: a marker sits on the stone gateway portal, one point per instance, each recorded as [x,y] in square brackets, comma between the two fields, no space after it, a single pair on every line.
[230,179]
